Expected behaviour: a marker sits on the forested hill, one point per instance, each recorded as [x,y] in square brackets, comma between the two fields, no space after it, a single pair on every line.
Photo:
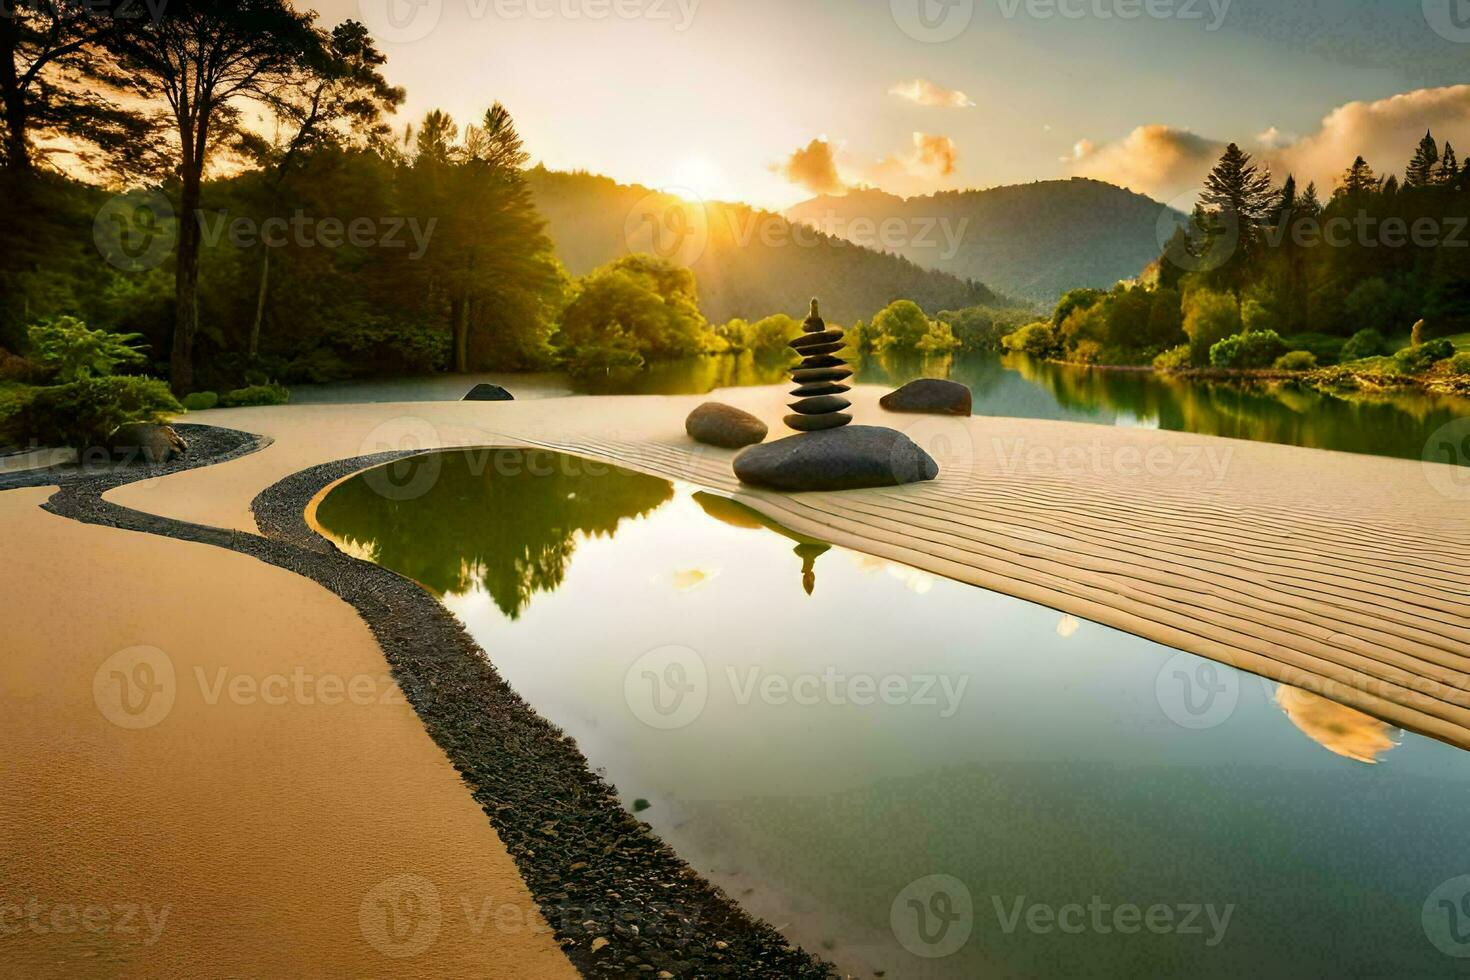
[1033,241]
[749,263]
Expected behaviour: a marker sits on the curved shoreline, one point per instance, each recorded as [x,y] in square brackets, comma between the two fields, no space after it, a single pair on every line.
[595,871]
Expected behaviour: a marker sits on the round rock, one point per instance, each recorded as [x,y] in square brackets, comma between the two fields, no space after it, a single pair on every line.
[817,423]
[152,442]
[929,396]
[488,393]
[849,458]
[725,426]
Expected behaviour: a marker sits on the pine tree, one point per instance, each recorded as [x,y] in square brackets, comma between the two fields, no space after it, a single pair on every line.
[1311,204]
[1421,168]
[1448,173]
[1359,179]
[1390,186]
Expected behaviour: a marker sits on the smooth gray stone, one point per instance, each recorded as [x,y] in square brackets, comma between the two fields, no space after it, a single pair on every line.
[929,396]
[821,349]
[847,458]
[814,339]
[488,393]
[715,424]
[819,405]
[821,361]
[817,423]
[804,376]
[822,388]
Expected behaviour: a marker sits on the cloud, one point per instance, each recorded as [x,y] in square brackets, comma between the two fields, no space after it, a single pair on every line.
[926,93]
[932,156]
[1165,162]
[814,167]
[1157,160]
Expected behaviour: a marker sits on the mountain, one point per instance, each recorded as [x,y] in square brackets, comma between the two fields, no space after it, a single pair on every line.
[1034,241]
[749,263]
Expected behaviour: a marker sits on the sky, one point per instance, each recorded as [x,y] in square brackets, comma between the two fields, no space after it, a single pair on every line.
[770,101]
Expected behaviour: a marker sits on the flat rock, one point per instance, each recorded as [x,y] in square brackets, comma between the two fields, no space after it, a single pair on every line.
[849,458]
[488,393]
[929,396]
[819,405]
[816,423]
[154,443]
[817,349]
[821,388]
[809,375]
[816,339]
[715,424]
[822,361]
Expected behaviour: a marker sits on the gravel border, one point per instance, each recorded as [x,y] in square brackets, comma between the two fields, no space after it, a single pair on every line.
[620,901]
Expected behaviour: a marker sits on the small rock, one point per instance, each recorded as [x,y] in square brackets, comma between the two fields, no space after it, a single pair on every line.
[848,458]
[929,396]
[720,425]
[488,393]
[598,943]
[154,443]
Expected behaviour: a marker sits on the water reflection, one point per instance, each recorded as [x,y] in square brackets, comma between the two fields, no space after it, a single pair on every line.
[507,520]
[728,511]
[1336,727]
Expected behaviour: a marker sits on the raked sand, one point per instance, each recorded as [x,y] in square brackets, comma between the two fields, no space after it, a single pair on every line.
[1341,574]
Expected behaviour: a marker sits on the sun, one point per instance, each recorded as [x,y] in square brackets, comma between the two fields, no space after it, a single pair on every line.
[695,176]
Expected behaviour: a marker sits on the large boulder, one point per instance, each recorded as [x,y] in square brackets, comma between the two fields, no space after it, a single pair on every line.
[929,396]
[720,425]
[849,458]
[148,441]
[488,393]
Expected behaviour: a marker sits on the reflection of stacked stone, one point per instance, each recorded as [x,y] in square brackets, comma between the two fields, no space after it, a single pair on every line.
[819,378]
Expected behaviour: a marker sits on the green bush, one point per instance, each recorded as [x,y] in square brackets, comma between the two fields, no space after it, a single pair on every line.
[1037,339]
[72,351]
[1460,363]
[1297,360]
[84,413]
[1420,358]
[1326,348]
[1364,343]
[265,394]
[201,401]
[1253,349]
[1174,359]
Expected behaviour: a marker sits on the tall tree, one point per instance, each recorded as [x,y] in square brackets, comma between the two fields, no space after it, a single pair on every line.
[1421,168]
[1358,179]
[1237,199]
[203,57]
[1448,172]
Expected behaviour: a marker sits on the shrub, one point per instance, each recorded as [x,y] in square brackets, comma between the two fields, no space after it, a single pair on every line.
[1087,352]
[201,401]
[1254,349]
[84,413]
[1326,348]
[72,351]
[1297,360]
[1209,317]
[1420,358]
[1460,363]
[1175,359]
[1037,339]
[255,395]
[938,339]
[1364,343]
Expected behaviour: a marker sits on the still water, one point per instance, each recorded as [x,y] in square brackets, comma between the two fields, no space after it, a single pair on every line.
[912,775]
[1015,386]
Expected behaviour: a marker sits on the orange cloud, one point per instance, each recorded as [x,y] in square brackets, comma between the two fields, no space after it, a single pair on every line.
[1157,160]
[814,167]
[927,93]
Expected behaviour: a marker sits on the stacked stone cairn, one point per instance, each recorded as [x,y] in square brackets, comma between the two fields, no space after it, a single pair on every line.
[820,403]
